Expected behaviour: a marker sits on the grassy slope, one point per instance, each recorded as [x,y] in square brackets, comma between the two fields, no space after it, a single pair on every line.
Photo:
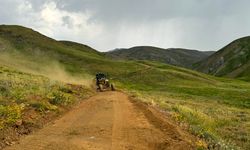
[177,56]
[216,109]
[233,60]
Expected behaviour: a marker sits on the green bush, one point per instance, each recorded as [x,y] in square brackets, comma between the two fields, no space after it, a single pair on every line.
[43,106]
[5,88]
[65,89]
[9,114]
[60,98]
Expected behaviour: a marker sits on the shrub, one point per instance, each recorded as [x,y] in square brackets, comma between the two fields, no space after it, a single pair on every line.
[60,98]
[65,89]
[43,106]
[5,88]
[9,114]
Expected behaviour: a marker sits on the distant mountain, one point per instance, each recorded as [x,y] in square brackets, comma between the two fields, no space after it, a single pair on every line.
[173,56]
[232,61]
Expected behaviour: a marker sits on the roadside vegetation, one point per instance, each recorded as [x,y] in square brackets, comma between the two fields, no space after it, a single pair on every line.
[20,91]
[29,101]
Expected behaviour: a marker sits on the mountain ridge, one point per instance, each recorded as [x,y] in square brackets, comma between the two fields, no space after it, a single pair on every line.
[174,56]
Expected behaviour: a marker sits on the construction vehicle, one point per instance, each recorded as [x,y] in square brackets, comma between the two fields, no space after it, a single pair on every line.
[103,83]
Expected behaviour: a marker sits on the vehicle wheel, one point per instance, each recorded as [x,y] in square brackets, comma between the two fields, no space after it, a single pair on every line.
[100,87]
[112,87]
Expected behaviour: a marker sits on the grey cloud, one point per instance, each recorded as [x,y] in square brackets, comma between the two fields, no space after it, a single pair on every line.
[116,10]
[67,21]
[197,24]
[8,11]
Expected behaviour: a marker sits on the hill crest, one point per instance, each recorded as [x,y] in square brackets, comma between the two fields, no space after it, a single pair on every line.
[174,56]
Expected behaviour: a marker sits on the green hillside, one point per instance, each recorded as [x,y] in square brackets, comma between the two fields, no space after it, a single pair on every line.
[214,109]
[173,56]
[232,61]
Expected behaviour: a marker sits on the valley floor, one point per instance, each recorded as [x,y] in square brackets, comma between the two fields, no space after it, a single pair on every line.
[109,120]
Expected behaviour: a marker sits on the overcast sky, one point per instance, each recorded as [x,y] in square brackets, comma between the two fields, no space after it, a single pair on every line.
[109,24]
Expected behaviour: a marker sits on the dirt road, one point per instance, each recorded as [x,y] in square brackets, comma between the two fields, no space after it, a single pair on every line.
[108,121]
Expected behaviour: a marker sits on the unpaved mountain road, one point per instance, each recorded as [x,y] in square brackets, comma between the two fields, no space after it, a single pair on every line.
[108,121]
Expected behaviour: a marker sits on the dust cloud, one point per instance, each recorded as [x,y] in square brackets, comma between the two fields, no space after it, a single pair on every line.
[45,67]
